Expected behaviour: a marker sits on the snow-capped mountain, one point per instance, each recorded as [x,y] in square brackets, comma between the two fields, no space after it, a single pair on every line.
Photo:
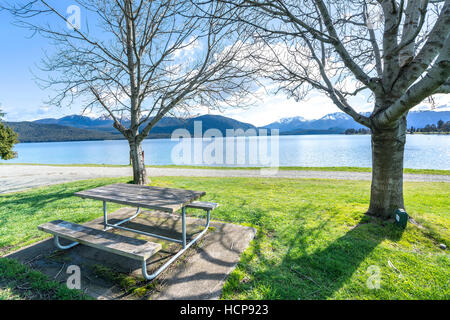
[417,119]
[287,124]
[332,120]
[336,116]
[291,119]
[102,117]
[82,122]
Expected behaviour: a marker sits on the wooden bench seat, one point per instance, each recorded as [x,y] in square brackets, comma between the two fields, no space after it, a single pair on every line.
[202,205]
[115,243]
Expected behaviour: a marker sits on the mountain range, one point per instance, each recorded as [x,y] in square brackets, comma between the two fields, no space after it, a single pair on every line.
[79,128]
[36,132]
[340,121]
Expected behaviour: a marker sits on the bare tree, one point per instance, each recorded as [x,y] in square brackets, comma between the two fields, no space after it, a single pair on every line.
[395,52]
[142,61]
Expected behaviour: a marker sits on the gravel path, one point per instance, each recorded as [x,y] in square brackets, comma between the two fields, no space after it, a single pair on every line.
[21,177]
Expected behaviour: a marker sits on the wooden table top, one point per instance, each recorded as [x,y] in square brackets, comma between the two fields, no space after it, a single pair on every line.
[157,198]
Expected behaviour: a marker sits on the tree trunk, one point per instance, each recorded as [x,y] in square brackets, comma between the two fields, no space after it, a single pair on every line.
[388,147]
[137,161]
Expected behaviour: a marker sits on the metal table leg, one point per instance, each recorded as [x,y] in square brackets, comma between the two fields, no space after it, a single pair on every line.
[105,217]
[108,226]
[183,226]
[179,253]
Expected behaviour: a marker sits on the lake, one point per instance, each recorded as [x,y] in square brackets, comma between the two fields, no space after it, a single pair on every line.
[421,151]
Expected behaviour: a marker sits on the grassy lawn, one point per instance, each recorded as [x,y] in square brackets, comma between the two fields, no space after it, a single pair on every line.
[313,240]
[349,169]
[17,281]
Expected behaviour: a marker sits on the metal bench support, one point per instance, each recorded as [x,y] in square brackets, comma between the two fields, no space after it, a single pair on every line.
[63,247]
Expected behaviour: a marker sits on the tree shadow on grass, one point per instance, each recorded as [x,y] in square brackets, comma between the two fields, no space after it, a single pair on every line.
[318,275]
[40,205]
[36,200]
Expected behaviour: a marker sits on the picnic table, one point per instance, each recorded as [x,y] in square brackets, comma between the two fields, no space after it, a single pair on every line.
[168,200]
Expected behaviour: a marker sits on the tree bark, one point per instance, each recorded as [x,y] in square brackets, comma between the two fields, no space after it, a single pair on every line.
[388,147]
[137,161]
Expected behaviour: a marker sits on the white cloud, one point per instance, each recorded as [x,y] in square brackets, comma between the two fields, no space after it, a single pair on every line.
[188,48]
[91,114]
[438,100]
[43,110]
[270,107]
[274,107]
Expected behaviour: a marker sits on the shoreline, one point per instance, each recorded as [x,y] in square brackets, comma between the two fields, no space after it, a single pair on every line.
[199,167]
[281,134]
[14,178]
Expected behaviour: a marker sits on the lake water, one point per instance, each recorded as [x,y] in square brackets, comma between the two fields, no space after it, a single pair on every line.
[421,151]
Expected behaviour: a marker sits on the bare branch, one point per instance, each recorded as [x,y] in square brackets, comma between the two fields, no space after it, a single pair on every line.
[435,78]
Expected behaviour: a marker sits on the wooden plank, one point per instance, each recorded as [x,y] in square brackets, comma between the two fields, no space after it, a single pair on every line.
[115,243]
[203,205]
[164,199]
[165,194]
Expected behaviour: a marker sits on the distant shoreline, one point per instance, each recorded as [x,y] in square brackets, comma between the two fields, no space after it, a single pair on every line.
[283,168]
[436,133]
[428,133]
[83,128]
[284,135]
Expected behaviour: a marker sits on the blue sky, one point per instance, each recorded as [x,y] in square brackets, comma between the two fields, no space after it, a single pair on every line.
[22,99]
[20,96]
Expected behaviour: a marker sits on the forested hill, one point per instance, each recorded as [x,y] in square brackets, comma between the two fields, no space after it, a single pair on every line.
[79,128]
[35,132]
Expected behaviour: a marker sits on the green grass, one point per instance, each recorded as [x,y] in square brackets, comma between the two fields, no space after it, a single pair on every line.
[313,240]
[18,281]
[348,169]
[22,212]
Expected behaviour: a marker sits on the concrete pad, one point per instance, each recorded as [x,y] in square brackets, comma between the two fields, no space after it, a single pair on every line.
[198,274]
[203,275]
